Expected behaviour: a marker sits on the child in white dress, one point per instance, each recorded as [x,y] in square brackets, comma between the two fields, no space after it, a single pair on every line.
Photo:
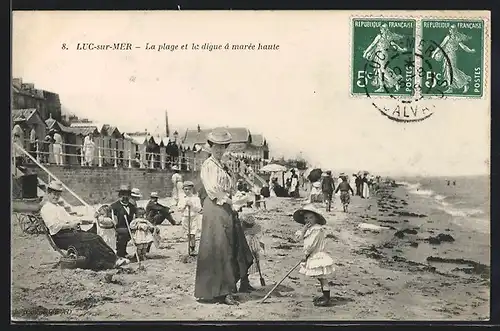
[253,236]
[190,207]
[142,232]
[316,263]
[316,195]
[106,226]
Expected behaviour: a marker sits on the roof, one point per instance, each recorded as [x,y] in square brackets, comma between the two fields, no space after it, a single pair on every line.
[238,135]
[50,122]
[237,147]
[83,131]
[80,124]
[258,140]
[32,94]
[138,139]
[109,130]
[26,113]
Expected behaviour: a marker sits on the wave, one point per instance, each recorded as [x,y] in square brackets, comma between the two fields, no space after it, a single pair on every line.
[462,212]
[416,189]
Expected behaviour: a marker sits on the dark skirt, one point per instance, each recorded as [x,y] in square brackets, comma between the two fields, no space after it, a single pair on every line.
[99,255]
[224,256]
[345,197]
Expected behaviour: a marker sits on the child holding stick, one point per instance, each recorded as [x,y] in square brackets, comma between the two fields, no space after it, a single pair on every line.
[252,231]
[143,231]
[317,262]
[190,207]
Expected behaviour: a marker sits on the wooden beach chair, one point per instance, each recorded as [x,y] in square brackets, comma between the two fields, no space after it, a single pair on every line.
[68,259]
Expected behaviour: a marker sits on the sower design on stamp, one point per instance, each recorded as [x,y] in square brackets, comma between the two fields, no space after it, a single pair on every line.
[381,47]
[455,49]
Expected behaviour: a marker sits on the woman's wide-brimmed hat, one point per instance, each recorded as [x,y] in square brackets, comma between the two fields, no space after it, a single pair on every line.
[154,195]
[317,184]
[324,174]
[298,216]
[135,193]
[55,186]
[124,189]
[219,136]
[188,183]
[175,168]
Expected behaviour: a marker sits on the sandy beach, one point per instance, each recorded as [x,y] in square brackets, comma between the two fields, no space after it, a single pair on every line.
[407,266]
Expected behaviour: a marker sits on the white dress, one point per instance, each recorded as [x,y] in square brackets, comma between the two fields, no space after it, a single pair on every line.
[176,180]
[316,195]
[195,214]
[319,263]
[108,235]
[140,230]
[352,183]
[88,149]
[366,190]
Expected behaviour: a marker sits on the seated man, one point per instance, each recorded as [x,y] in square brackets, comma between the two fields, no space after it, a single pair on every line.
[156,213]
[66,232]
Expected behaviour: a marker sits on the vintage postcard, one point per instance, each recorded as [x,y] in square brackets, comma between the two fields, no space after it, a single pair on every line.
[250,166]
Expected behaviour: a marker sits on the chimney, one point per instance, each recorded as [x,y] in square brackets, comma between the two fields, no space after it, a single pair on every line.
[167,129]
[199,129]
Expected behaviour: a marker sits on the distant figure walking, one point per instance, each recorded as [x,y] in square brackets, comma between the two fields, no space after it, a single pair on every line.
[366,188]
[18,138]
[327,188]
[177,184]
[352,183]
[359,185]
[345,189]
[294,184]
[88,150]
[57,148]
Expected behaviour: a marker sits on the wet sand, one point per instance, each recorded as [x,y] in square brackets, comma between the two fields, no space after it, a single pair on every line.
[381,275]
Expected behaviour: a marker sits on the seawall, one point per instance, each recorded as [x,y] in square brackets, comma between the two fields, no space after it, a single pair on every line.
[97,185]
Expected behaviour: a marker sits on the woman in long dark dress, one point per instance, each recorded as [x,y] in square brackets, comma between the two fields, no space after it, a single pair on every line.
[224,256]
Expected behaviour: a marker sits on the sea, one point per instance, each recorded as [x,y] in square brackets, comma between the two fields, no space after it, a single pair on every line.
[465,198]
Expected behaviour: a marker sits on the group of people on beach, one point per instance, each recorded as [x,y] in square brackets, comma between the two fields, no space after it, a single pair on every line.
[230,244]
[324,188]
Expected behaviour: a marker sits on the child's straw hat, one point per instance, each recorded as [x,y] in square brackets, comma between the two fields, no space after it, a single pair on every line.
[298,216]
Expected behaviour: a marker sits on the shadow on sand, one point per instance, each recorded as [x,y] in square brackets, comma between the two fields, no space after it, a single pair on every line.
[260,293]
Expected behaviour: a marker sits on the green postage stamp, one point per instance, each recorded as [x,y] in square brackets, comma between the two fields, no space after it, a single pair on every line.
[445,58]
[456,60]
[383,57]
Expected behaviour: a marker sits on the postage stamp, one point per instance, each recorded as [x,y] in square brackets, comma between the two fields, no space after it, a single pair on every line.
[456,56]
[383,57]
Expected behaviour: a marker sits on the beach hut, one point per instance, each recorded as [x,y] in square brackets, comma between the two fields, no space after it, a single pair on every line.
[70,147]
[80,133]
[31,118]
[109,144]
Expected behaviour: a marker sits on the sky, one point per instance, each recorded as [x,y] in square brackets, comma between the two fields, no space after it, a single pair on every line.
[297,96]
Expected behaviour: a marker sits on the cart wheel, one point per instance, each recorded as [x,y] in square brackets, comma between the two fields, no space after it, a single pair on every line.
[23,221]
[34,224]
[40,226]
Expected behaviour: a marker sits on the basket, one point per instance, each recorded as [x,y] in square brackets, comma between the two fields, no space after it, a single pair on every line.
[72,260]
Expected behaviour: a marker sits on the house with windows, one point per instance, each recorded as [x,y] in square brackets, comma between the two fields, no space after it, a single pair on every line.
[244,143]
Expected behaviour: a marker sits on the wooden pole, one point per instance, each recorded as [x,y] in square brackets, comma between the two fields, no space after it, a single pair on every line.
[282,279]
